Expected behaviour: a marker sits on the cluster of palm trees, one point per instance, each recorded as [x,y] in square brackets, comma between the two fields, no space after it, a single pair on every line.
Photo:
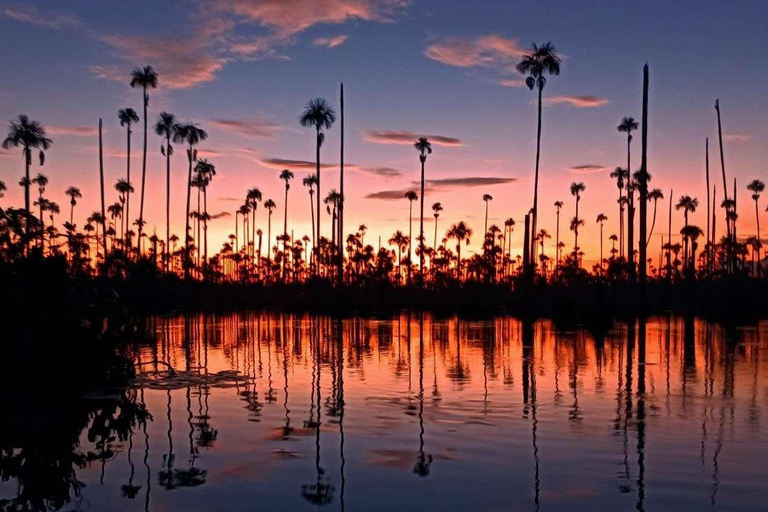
[110,235]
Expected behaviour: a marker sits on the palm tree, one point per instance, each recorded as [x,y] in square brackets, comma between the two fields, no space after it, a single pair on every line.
[542,236]
[688,204]
[691,234]
[319,115]
[74,194]
[620,175]
[252,198]
[654,195]
[424,148]
[411,197]
[436,209]
[205,172]
[166,128]
[146,78]
[127,117]
[756,187]
[461,232]
[41,180]
[287,176]
[190,134]
[310,181]
[628,125]
[3,189]
[487,198]
[558,206]
[576,190]
[27,135]
[601,218]
[540,61]
[400,241]
[269,205]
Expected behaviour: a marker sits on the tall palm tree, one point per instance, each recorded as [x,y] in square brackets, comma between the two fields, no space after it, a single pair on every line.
[628,125]
[269,205]
[461,232]
[487,198]
[74,194]
[286,176]
[205,170]
[146,78]
[654,195]
[411,197]
[127,117]
[756,187]
[319,115]
[688,204]
[400,241]
[436,209]
[190,134]
[310,181]
[27,135]
[424,148]
[558,207]
[601,218]
[540,61]
[576,190]
[165,127]
[620,175]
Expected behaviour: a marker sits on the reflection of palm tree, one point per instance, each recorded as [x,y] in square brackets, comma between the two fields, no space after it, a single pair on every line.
[424,461]
[540,61]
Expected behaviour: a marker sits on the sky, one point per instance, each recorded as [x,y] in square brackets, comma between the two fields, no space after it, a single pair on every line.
[244,69]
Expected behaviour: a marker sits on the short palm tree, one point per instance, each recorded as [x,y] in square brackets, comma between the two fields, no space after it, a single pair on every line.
[688,204]
[487,198]
[400,241]
[424,148]
[601,218]
[252,198]
[270,206]
[576,190]
[654,195]
[540,61]
[146,78]
[27,135]
[318,114]
[411,197]
[436,209]
[3,189]
[558,207]
[127,117]
[310,181]
[286,176]
[74,194]
[205,171]
[165,127]
[756,187]
[190,134]
[462,233]
[620,175]
[41,180]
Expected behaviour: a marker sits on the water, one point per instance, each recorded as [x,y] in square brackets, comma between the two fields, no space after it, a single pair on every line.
[433,415]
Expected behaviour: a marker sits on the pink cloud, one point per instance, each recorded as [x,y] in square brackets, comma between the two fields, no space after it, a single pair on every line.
[289,17]
[508,82]
[408,137]
[73,130]
[31,14]
[493,51]
[330,42]
[732,137]
[576,101]
[252,128]
[586,169]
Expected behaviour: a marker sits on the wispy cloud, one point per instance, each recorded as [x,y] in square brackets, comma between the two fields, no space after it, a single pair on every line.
[471,181]
[586,169]
[384,172]
[330,42]
[47,18]
[733,137]
[389,195]
[408,137]
[508,82]
[576,101]
[491,51]
[283,163]
[250,128]
[5,153]
[78,131]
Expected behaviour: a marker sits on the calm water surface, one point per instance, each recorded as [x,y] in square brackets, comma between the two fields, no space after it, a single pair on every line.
[272,412]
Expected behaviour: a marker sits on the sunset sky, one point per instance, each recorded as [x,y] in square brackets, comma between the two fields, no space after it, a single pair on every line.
[244,69]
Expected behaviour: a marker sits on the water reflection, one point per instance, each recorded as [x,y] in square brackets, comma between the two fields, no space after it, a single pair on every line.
[413,412]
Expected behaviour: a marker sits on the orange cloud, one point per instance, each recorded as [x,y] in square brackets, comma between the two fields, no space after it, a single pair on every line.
[493,51]
[330,42]
[253,128]
[407,137]
[576,101]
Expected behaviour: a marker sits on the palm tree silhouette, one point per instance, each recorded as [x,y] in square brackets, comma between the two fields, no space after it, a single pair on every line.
[436,209]
[165,127]
[3,189]
[127,117]
[486,198]
[319,115]
[287,176]
[576,190]
[310,181]
[400,241]
[654,195]
[601,218]
[691,234]
[27,135]
[688,204]
[411,197]
[269,205]
[74,194]
[540,61]
[205,172]
[558,207]
[620,175]
[424,148]
[628,125]
[190,134]
[252,198]
[756,187]
[41,180]
[461,232]
[146,78]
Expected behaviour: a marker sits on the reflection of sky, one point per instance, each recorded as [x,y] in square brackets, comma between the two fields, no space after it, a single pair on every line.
[420,66]
[703,405]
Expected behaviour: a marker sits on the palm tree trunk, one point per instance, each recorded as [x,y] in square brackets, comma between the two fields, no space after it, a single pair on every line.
[143,170]
[205,223]
[341,191]
[485,226]
[128,179]
[725,183]
[410,237]
[601,246]
[576,232]
[706,167]
[653,222]
[434,245]
[630,214]
[72,213]
[167,198]
[643,180]
[27,185]
[669,237]
[186,217]
[557,240]
[285,229]
[757,216]
[317,170]
[269,237]
[421,227]
[621,223]
[532,256]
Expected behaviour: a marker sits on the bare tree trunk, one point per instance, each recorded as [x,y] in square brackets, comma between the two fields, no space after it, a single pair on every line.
[101,181]
[644,181]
